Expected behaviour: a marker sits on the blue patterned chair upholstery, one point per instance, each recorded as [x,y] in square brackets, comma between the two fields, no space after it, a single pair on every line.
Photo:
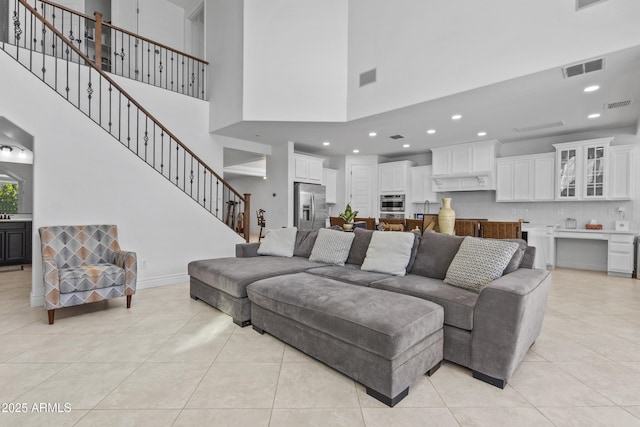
[84,263]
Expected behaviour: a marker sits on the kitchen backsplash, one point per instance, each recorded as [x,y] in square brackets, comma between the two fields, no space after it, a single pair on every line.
[482,204]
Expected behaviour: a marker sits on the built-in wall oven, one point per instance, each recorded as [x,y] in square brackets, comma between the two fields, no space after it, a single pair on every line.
[392,206]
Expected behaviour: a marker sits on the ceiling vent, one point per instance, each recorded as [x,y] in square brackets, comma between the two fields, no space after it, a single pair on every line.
[619,104]
[581,4]
[398,136]
[540,127]
[368,77]
[583,68]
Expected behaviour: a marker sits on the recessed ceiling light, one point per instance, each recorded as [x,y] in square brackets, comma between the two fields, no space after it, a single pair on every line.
[483,133]
[22,154]
[591,88]
[356,151]
[406,145]
[373,133]
[326,143]
[456,117]
[431,131]
[264,177]
[593,116]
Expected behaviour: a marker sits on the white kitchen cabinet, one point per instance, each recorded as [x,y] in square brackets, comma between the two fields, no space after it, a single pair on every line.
[465,167]
[421,185]
[525,178]
[621,168]
[330,181]
[582,170]
[620,254]
[394,177]
[308,169]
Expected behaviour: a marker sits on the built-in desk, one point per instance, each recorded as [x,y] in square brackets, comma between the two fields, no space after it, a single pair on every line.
[619,252]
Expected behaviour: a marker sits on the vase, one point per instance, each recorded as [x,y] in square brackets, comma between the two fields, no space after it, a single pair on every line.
[347,226]
[446,217]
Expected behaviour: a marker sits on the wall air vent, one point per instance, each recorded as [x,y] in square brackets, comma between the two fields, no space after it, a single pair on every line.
[540,127]
[583,68]
[368,77]
[581,4]
[612,105]
[398,136]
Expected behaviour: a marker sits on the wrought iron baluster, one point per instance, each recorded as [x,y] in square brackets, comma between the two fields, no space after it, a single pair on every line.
[177,163]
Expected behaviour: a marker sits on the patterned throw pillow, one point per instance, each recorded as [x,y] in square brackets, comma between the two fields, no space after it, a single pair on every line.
[279,242]
[479,262]
[331,247]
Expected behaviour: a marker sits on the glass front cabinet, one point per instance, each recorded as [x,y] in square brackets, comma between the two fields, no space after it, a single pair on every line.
[581,169]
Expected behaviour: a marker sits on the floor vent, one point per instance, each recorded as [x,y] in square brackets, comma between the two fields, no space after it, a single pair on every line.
[619,104]
[583,68]
[368,77]
[540,127]
[398,136]
[581,4]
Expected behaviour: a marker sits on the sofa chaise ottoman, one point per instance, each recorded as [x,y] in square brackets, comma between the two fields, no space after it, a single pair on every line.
[383,340]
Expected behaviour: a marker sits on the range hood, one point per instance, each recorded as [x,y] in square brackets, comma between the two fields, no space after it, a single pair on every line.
[465,167]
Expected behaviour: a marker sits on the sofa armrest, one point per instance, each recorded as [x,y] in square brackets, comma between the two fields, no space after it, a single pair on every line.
[51,283]
[247,250]
[507,320]
[129,262]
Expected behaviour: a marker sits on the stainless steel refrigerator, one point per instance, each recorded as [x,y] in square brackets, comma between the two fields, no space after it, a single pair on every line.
[310,206]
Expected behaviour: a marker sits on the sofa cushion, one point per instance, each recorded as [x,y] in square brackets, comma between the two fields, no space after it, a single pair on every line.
[90,277]
[232,275]
[279,242]
[414,249]
[305,239]
[383,323]
[348,273]
[361,240]
[517,257]
[479,262]
[389,253]
[435,253]
[458,303]
[331,247]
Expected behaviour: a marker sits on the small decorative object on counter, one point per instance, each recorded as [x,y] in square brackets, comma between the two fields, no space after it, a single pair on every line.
[594,226]
[348,216]
[571,223]
[446,217]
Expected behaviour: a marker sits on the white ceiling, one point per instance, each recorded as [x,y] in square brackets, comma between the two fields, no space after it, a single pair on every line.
[499,109]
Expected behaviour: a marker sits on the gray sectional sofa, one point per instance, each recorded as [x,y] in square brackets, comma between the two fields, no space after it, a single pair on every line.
[488,331]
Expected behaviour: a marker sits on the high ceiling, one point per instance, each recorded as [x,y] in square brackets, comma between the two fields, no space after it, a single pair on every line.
[546,103]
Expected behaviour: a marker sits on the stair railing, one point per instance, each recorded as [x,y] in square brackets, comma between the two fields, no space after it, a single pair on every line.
[121,52]
[38,46]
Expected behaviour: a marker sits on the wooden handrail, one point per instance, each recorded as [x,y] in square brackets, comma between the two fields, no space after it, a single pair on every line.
[129,97]
[75,12]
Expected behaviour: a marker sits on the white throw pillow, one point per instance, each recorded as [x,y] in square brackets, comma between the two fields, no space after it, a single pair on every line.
[331,246]
[279,242]
[479,262]
[389,252]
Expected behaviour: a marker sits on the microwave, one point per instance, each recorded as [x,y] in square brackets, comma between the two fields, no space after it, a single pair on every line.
[392,203]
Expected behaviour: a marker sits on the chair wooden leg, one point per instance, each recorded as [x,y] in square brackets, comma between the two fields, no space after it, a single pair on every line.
[51,314]
[128,301]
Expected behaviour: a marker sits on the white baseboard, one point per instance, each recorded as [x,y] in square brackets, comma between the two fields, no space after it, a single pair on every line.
[153,282]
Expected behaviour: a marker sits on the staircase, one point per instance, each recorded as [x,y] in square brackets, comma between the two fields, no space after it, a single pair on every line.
[54,58]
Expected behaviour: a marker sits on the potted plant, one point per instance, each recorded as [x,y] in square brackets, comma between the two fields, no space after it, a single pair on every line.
[348,216]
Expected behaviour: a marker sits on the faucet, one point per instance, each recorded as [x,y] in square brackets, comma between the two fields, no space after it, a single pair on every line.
[426,204]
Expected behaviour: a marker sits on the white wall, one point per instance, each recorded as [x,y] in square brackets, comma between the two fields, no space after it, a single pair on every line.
[424,50]
[223,46]
[295,60]
[162,21]
[82,175]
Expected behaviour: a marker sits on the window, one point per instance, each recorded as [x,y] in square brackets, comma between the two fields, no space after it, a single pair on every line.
[9,197]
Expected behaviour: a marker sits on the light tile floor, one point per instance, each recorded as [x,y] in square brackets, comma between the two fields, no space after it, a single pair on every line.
[172,361]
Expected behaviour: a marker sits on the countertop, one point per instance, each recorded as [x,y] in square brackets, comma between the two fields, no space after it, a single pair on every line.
[17,220]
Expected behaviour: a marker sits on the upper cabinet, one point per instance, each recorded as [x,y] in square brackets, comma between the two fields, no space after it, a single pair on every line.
[308,169]
[394,177]
[330,181]
[525,178]
[622,165]
[582,170]
[421,185]
[465,167]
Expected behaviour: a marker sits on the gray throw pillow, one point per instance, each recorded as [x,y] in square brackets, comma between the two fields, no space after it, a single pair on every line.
[331,247]
[361,240]
[305,239]
[435,253]
[514,264]
[414,249]
[479,262]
